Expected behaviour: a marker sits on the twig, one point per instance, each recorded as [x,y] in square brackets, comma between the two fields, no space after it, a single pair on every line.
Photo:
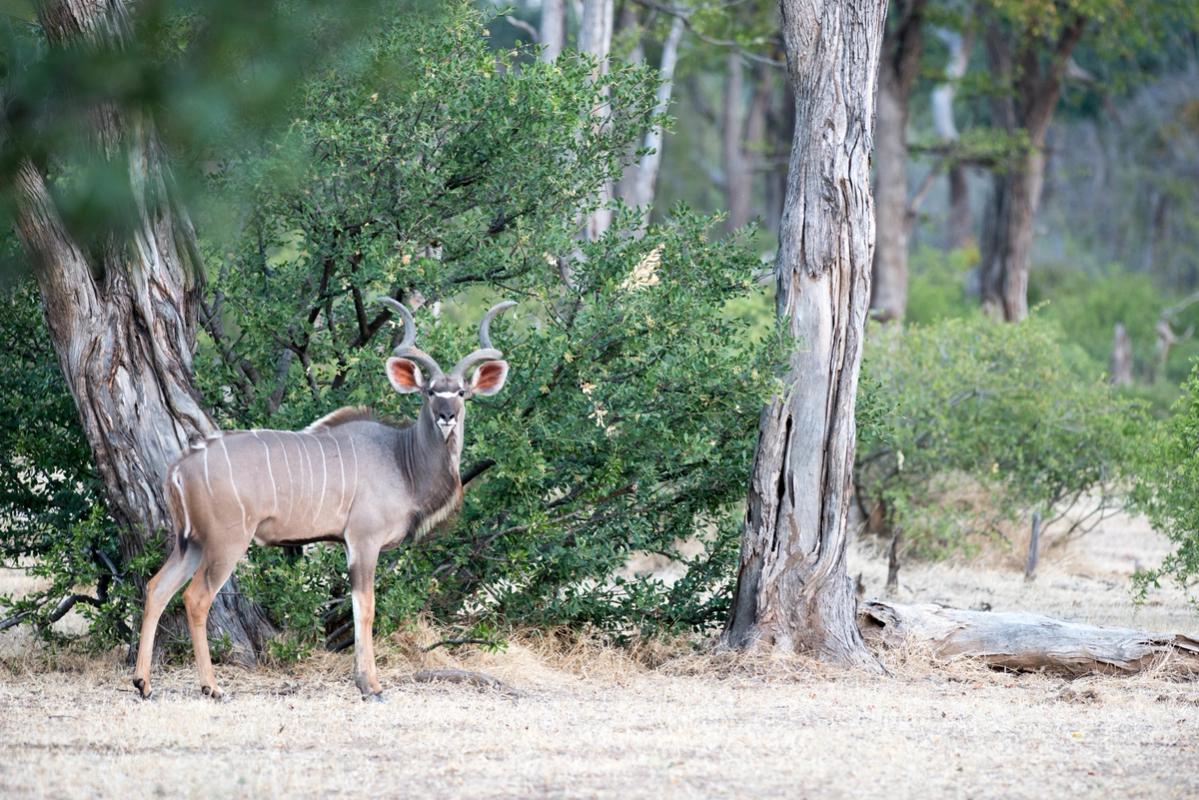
[452,643]
[524,26]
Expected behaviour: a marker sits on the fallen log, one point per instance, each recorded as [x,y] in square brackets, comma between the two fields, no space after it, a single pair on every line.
[1026,642]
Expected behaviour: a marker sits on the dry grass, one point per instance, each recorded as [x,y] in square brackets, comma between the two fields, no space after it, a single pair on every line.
[661,720]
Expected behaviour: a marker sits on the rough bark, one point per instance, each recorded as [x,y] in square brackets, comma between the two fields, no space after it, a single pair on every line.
[897,73]
[793,593]
[1027,642]
[122,316]
[552,32]
[1015,192]
[595,38]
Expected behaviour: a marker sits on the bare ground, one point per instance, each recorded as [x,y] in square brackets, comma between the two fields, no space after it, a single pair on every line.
[596,722]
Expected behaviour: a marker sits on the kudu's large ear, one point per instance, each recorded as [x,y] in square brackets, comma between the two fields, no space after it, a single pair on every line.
[404,375]
[489,378]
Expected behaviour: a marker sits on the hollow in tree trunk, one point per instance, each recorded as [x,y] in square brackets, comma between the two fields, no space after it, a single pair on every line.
[121,315]
[793,593]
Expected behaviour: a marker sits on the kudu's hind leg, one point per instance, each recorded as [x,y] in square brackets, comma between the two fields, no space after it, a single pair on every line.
[179,566]
[214,571]
[362,595]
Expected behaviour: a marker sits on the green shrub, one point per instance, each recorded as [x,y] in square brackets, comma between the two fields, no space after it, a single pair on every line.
[52,518]
[937,284]
[971,408]
[429,167]
[445,173]
[1167,489]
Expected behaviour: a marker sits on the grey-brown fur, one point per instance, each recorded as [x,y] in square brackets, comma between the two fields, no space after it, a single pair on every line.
[348,477]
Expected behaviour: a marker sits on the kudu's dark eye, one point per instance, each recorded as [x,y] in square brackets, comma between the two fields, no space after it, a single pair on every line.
[462,393]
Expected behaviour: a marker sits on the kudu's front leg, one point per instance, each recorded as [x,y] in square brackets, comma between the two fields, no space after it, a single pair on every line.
[362,595]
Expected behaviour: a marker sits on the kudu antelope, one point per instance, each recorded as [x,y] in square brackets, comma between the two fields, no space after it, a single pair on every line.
[347,477]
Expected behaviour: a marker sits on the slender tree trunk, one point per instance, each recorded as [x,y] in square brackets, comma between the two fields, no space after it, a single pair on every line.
[793,593]
[553,28]
[738,179]
[121,317]
[1120,368]
[960,229]
[890,284]
[640,179]
[899,65]
[595,38]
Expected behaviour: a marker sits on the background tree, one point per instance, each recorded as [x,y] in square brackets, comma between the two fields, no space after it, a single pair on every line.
[898,68]
[792,589]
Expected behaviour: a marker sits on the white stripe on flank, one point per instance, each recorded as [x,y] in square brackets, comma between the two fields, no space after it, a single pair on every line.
[341,463]
[354,449]
[233,483]
[291,493]
[187,522]
[324,475]
[207,482]
[307,461]
[271,472]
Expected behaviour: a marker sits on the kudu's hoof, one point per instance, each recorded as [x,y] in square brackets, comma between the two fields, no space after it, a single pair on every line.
[143,689]
[374,697]
[214,693]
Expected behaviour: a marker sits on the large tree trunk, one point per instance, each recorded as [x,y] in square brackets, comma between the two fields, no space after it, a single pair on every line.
[897,72]
[793,593]
[121,317]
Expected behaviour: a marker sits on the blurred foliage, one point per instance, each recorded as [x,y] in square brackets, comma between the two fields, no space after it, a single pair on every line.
[968,422]
[937,284]
[213,76]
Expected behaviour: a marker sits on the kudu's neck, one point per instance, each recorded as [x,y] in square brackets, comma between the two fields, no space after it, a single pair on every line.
[430,440]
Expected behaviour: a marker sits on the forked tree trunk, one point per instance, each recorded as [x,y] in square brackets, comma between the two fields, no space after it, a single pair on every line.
[1035,85]
[121,317]
[1007,238]
[793,593]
